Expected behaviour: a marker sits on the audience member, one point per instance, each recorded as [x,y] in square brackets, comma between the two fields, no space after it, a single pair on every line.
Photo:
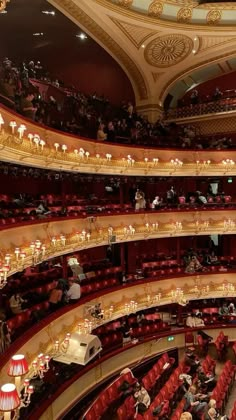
[74,292]
[55,298]
[194,401]
[15,303]
[5,336]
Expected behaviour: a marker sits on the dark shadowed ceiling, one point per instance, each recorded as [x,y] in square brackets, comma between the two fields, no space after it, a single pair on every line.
[82,63]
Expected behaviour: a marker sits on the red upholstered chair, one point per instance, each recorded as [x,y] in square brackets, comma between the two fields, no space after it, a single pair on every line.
[90,415]
[98,408]
[121,413]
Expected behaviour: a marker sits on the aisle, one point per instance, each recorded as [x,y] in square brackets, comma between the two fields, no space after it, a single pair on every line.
[231,401]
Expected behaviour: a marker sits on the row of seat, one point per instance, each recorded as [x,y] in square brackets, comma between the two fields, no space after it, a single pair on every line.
[221,343]
[224,385]
[108,396]
[168,392]
[208,365]
[158,374]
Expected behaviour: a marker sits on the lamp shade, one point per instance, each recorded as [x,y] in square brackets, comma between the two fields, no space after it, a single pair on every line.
[9,398]
[18,365]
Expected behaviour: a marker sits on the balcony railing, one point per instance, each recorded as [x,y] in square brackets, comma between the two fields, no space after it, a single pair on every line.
[214,107]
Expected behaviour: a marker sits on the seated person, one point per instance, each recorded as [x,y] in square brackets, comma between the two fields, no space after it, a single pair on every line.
[190,321]
[224,310]
[206,382]
[186,416]
[74,292]
[55,298]
[96,312]
[231,309]
[141,395]
[156,203]
[192,361]
[42,209]
[16,302]
[199,321]
[213,258]
[194,401]
[194,265]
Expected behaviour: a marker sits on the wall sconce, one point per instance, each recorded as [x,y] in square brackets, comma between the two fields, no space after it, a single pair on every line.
[229,225]
[155,161]
[81,153]
[21,130]
[228,288]
[13,125]
[40,366]
[228,164]
[56,145]
[64,147]
[17,368]
[108,157]
[176,164]
[176,227]
[9,400]
[202,165]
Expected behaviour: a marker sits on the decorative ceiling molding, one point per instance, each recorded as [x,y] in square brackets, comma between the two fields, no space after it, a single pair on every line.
[189,70]
[78,15]
[156,76]
[168,50]
[208,42]
[136,34]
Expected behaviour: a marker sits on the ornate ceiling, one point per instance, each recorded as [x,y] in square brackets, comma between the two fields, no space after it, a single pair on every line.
[159,43]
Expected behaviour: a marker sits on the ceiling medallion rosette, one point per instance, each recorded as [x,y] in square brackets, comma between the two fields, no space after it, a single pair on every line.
[168,50]
[213,17]
[125,3]
[184,15]
[155,9]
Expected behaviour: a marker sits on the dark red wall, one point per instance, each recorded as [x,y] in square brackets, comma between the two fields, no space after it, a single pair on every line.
[225,82]
[82,63]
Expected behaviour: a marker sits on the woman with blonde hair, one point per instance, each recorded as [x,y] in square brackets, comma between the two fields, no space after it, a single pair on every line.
[186,416]
[101,135]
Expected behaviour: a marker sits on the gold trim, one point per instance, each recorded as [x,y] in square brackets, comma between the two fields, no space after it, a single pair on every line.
[161,23]
[197,66]
[105,39]
[135,42]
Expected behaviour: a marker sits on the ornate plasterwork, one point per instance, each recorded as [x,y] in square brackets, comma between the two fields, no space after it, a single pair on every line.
[156,76]
[208,42]
[136,34]
[213,17]
[125,3]
[78,15]
[155,9]
[184,15]
[168,50]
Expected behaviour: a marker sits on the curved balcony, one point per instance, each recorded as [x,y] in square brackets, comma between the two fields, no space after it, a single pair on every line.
[72,390]
[222,106]
[24,142]
[146,294]
[27,245]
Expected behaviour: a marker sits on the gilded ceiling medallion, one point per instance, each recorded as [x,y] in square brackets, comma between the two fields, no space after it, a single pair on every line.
[125,3]
[213,17]
[168,50]
[155,9]
[184,14]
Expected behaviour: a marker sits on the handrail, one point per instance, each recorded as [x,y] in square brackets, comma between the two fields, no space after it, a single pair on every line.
[148,282]
[47,402]
[103,158]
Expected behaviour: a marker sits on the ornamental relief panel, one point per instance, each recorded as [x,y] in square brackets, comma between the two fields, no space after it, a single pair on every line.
[184,15]
[213,17]
[155,9]
[168,50]
[125,3]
